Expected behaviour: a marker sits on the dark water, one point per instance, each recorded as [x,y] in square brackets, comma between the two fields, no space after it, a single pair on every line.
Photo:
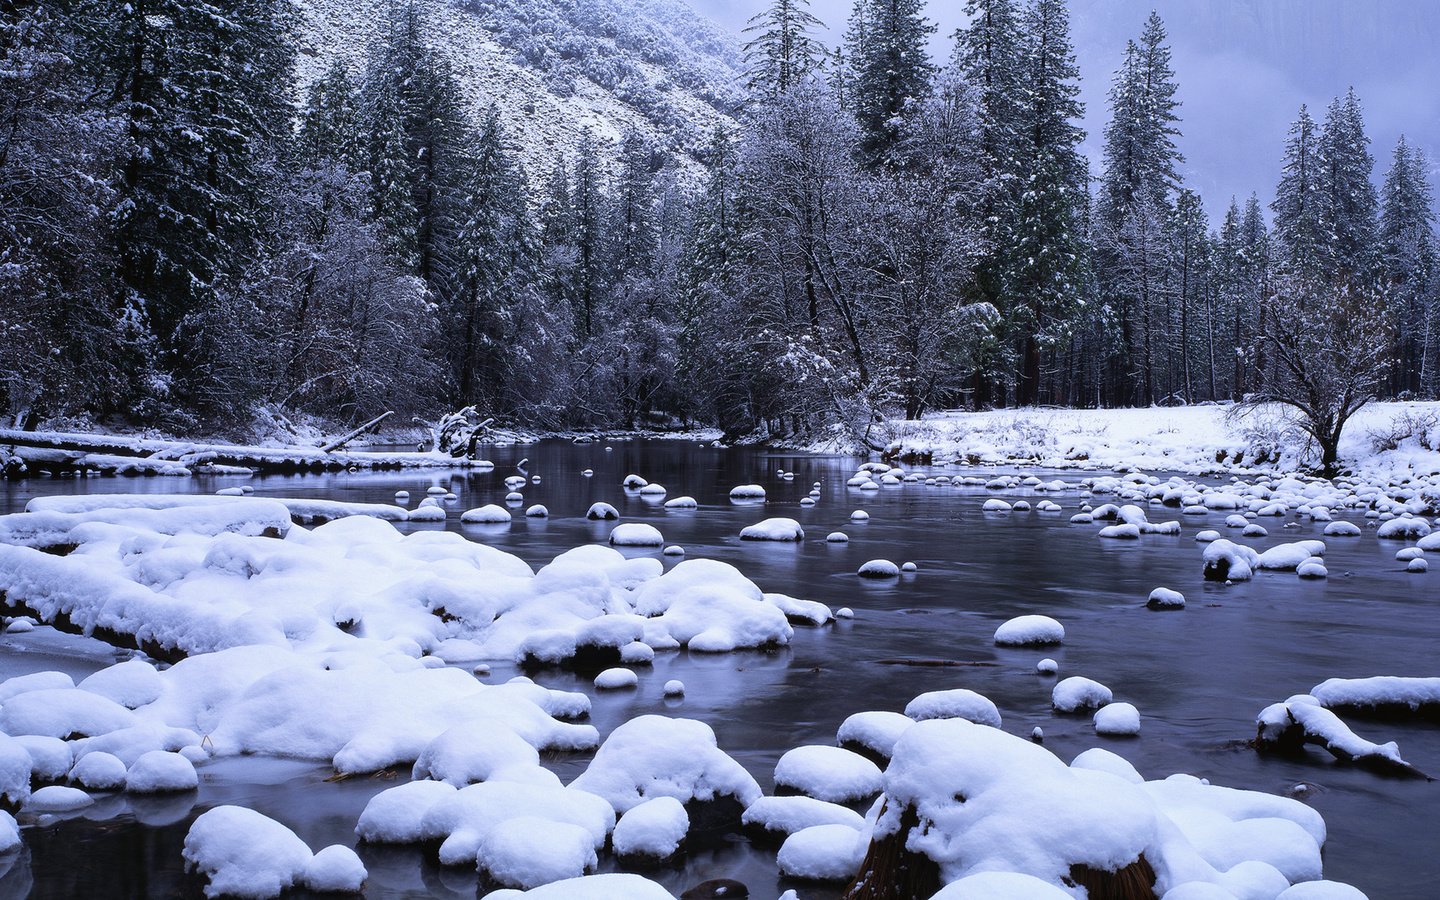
[1198,677]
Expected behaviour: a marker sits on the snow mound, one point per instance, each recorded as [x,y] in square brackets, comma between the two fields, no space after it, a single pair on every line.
[655,756]
[489,514]
[879,568]
[747,492]
[602,512]
[832,774]
[616,679]
[874,732]
[1227,561]
[653,831]
[636,534]
[776,529]
[1077,693]
[1165,598]
[776,816]
[530,851]
[822,853]
[161,772]
[244,854]
[335,869]
[958,703]
[1029,631]
[681,503]
[616,886]
[1117,720]
[395,816]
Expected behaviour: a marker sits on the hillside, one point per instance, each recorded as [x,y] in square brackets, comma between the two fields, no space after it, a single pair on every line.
[558,67]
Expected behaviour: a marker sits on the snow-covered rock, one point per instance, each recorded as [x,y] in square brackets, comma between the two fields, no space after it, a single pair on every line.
[1029,631]
[832,774]
[776,529]
[242,853]
[957,703]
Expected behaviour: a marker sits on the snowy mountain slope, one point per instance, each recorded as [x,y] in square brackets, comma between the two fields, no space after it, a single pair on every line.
[557,67]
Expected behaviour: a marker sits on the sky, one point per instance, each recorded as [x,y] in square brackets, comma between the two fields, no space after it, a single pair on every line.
[1244,67]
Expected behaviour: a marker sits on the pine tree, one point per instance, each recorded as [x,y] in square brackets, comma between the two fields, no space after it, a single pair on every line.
[1299,201]
[1048,238]
[1408,257]
[329,124]
[783,50]
[1349,202]
[590,239]
[891,71]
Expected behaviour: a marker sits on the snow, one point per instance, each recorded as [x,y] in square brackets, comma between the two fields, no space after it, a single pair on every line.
[132,683]
[530,851]
[1117,719]
[837,537]
[776,529]
[654,829]
[16,766]
[822,853]
[957,703]
[57,798]
[483,750]
[681,503]
[832,774]
[1289,556]
[988,802]
[636,534]
[335,869]
[1378,691]
[747,492]
[879,568]
[466,824]
[1228,561]
[876,731]
[244,854]
[1402,529]
[1165,598]
[395,816]
[1001,886]
[787,815]
[50,760]
[489,514]
[1029,631]
[616,679]
[616,886]
[160,772]
[655,756]
[602,511]
[1077,693]
[674,688]
[99,771]
[1342,529]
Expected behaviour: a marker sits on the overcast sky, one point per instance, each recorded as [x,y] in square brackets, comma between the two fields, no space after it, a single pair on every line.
[1244,68]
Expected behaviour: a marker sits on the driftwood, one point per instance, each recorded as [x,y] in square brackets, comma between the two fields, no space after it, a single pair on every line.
[350,436]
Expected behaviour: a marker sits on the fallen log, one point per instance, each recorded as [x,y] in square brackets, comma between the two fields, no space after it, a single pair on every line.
[352,435]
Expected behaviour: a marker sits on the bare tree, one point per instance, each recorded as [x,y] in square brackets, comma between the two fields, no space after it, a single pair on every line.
[1324,346]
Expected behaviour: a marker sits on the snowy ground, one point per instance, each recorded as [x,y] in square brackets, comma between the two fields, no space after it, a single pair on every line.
[1389,442]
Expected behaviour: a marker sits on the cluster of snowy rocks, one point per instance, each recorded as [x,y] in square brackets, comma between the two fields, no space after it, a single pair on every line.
[340,642]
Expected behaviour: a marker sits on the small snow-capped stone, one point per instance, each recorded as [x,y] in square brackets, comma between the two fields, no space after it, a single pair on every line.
[1165,598]
[99,771]
[161,772]
[58,798]
[616,679]
[1342,529]
[530,851]
[681,503]
[515,497]
[823,853]
[1047,666]
[538,511]
[837,537]
[636,534]
[601,511]
[1207,536]
[1417,565]
[747,492]
[335,870]
[1314,567]
[908,567]
[245,854]
[958,703]
[1029,631]
[875,731]
[844,612]
[879,568]
[674,550]
[674,688]
[1117,719]
[633,482]
[1077,693]
[654,491]
[489,514]
[995,504]
[20,625]
[832,774]
[776,529]
[859,515]
[654,830]
[435,490]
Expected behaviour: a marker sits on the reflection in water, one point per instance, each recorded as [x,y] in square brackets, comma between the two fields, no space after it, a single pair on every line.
[1198,677]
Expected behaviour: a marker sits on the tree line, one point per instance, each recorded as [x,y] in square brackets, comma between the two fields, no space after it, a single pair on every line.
[182,244]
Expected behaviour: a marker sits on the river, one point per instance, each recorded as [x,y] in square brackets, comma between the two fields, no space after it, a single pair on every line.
[1198,676]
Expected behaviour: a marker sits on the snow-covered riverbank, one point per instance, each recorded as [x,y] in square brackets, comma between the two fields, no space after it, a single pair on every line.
[1388,442]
